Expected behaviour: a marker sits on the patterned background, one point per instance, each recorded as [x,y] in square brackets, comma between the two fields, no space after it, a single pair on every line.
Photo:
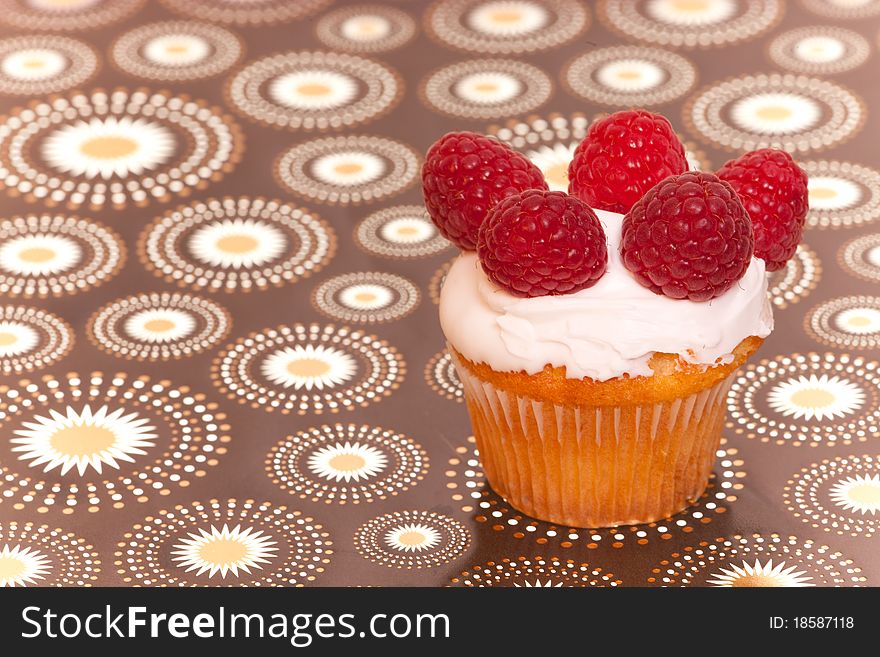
[220,355]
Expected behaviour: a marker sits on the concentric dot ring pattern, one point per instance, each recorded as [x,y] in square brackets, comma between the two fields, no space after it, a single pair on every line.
[534,572]
[224,543]
[843,9]
[35,65]
[630,75]
[821,50]
[506,28]
[116,148]
[410,540]
[32,339]
[441,375]
[159,326]
[851,322]
[91,14]
[806,399]
[56,255]
[699,25]
[236,244]
[749,561]
[308,369]
[486,89]
[346,464]
[842,194]
[236,12]
[860,257]
[38,555]
[314,90]
[176,51]
[796,280]
[837,495]
[436,282]
[366,297]
[85,443]
[348,170]
[365,28]
[791,112]
[401,232]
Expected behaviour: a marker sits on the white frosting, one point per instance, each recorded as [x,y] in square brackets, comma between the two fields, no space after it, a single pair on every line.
[603,332]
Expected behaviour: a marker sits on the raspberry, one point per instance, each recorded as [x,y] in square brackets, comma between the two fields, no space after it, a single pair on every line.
[622,157]
[464,175]
[773,190]
[540,243]
[688,237]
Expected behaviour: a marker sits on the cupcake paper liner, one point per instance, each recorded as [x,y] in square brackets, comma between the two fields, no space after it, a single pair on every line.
[595,466]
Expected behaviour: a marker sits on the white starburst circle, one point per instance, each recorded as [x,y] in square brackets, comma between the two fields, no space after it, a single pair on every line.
[348,168]
[630,75]
[759,575]
[83,439]
[488,87]
[757,560]
[237,243]
[39,254]
[790,112]
[177,49]
[691,13]
[366,296]
[109,147]
[508,18]
[403,231]
[860,321]
[859,493]
[776,113]
[365,28]
[407,230]
[412,537]
[819,49]
[40,64]
[33,64]
[816,397]
[160,325]
[62,6]
[309,367]
[538,584]
[553,162]
[226,550]
[347,462]
[833,193]
[21,566]
[313,89]
[16,338]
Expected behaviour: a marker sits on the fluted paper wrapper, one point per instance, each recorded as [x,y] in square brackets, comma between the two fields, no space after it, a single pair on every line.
[595,466]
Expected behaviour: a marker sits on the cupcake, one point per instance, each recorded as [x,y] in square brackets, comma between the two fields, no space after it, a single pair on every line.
[596,332]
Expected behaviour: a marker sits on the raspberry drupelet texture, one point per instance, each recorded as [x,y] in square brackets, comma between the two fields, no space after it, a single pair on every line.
[540,243]
[464,175]
[773,190]
[688,238]
[622,157]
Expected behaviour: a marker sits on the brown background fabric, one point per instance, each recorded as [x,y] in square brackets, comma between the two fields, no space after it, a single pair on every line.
[437,424]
